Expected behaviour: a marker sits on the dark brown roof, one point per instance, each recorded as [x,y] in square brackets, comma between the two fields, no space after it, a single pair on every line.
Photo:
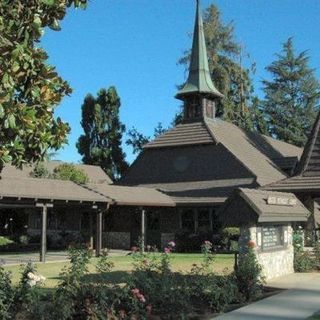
[251,206]
[186,164]
[309,165]
[184,134]
[134,196]
[296,184]
[47,189]
[202,192]
[95,173]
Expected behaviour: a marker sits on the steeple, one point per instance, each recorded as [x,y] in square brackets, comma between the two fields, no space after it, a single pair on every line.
[199,93]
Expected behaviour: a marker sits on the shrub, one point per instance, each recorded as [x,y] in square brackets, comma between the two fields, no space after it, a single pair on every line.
[6,294]
[70,172]
[316,250]
[104,265]
[4,241]
[303,261]
[248,275]
[191,242]
[213,291]
[230,235]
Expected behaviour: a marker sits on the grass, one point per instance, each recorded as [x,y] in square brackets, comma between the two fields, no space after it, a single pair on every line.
[122,267]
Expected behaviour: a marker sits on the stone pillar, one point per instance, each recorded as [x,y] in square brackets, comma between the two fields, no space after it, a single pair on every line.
[275,262]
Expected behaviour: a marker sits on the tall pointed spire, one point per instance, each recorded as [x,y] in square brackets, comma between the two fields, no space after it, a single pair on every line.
[199,80]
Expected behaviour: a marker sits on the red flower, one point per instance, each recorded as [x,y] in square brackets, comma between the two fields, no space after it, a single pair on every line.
[134,249]
[251,244]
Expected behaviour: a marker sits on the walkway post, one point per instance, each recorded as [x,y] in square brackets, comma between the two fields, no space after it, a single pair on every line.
[91,230]
[44,218]
[143,229]
[99,233]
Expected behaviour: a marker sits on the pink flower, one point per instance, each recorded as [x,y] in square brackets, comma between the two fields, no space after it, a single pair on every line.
[167,250]
[149,247]
[141,297]
[135,291]
[208,243]
[122,314]
[134,249]
[172,244]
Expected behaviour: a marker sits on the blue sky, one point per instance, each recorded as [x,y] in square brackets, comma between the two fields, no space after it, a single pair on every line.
[135,45]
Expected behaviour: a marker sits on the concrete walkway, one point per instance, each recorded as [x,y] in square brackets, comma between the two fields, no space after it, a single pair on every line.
[300,301]
[51,256]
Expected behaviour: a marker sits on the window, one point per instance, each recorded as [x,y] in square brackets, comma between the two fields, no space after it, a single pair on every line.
[188,220]
[204,221]
[153,221]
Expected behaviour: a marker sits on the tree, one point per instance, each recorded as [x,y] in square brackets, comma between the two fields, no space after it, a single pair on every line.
[30,88]
[137,140]
[291,97]
[101,142]
[225,63]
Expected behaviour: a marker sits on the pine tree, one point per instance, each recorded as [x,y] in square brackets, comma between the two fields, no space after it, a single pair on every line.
[101,142]
[291,97]
[228,74]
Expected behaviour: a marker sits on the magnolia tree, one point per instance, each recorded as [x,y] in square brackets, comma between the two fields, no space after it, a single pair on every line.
[30,88]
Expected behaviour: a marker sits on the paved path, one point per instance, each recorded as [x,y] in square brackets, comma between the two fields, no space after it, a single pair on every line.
[51,256]
[300,301]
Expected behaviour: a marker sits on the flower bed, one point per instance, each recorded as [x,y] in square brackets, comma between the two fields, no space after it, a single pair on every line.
[153,290]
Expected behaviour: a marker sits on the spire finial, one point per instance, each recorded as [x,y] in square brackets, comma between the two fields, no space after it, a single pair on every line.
[199,79]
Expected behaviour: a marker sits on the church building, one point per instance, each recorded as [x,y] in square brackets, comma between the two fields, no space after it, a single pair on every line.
[199,162]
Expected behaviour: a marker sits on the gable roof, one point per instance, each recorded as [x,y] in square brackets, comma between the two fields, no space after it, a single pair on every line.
[251,206]
[245,147]
[47,189]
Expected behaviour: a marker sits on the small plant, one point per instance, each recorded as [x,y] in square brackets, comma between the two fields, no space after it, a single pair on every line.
[248,274]
[6,294]
[104,265]
[303,262]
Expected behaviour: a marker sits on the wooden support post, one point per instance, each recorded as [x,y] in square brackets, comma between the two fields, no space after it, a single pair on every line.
[143,229]
[99,234]
[44,234]
[91,230]
[44,218]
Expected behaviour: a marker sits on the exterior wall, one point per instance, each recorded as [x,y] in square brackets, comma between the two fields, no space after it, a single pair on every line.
[116,240]
[274,262]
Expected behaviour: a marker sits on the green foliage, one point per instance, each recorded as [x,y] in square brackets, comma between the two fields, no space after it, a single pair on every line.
[30,88]
[292,96]
[4,241]
[104,264]
[41,171]
[70,172]
[248,276]
[137,140]
[6,294]
[303,261]
[101,142]
[230,235]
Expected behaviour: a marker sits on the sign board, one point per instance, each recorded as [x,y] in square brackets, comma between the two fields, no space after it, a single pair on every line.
[271,237]
[281,201]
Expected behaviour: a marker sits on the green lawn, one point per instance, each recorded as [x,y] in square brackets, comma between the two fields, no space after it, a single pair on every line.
[123,266]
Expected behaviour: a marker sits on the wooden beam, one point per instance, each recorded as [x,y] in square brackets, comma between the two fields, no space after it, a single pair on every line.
[143,229]
[91,230]
[99,234]
[43,248]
